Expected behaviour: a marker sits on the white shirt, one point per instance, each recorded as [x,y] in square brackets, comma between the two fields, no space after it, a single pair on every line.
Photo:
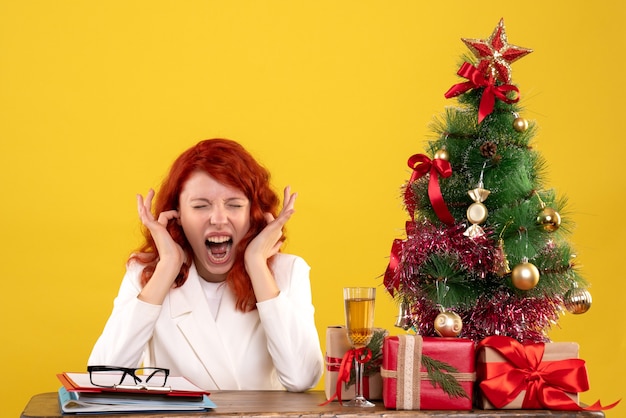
[213,292]
[273,347]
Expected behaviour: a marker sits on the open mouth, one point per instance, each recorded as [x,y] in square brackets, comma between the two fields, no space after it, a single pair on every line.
[219,248]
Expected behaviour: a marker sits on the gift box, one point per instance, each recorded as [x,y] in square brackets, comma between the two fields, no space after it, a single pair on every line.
[428,373]
[512,375]
[337,345]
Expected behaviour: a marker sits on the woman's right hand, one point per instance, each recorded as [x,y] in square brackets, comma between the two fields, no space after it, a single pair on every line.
[170,252]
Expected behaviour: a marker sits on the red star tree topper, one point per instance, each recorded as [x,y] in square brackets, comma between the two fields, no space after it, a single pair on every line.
[496,54]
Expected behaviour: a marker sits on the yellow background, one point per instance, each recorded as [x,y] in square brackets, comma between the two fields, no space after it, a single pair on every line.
[98,97]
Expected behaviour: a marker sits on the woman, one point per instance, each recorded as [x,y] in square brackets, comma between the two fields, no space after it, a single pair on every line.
[208,295]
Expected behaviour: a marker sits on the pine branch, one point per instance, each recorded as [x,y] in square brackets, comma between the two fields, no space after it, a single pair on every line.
[439,375]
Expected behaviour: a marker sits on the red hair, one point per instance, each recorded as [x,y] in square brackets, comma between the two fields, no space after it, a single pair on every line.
[228,163]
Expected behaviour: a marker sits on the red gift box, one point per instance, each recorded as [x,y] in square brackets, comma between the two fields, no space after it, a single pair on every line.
[414,368]
[512,375]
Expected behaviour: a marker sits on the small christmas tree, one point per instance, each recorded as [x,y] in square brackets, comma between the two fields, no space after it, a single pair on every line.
[485,251]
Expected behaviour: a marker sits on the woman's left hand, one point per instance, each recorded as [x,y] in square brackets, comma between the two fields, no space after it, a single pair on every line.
[268,242]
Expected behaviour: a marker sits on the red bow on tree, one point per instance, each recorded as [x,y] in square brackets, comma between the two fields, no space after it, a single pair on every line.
[392,274]
[391,279]
[492,92]
[421,164]
[546,383]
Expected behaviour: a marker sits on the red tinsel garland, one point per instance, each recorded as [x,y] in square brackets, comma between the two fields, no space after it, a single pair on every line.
[500,311]
[477,255]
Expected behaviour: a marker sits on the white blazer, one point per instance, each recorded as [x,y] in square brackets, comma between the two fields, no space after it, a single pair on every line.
[275,347]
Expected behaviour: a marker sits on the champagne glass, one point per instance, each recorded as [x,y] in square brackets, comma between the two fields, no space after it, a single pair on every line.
[359,307]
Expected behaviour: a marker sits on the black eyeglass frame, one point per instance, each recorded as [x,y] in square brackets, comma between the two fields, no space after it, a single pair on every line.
[132,372]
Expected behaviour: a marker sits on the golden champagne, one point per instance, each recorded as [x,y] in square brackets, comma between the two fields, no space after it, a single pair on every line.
[360,321]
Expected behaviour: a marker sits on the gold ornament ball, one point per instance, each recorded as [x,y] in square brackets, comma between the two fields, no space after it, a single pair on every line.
[520,124]
[577,301]
[448,324]
[442,154]
[549,219]
[525,276]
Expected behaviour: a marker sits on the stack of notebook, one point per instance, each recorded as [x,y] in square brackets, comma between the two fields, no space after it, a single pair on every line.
[79,395]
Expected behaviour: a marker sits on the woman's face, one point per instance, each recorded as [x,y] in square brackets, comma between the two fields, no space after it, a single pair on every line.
[215,217]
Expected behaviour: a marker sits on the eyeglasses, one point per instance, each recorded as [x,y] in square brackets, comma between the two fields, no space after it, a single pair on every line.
[128,378]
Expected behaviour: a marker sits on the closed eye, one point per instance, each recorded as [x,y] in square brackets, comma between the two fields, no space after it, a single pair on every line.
[236,203]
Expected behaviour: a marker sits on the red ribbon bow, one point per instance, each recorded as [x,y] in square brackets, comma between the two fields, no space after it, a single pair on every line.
[391,279]
[362,355]
[545,383]
[492,92]
[421,165]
